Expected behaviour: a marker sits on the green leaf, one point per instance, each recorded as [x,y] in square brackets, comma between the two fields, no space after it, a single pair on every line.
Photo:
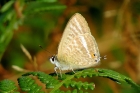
[8,86]
[79,85]
[7,6]
[48,1]
[117,77]
[44,78]
[6,16]
[35,7]
[29,85]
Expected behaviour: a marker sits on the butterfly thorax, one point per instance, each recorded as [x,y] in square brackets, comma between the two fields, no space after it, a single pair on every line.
[59,65]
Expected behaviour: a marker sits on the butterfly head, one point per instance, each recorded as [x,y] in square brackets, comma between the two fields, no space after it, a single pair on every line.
[53,59]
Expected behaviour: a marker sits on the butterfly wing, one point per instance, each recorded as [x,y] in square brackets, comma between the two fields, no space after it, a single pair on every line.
[76,25]
[78,48]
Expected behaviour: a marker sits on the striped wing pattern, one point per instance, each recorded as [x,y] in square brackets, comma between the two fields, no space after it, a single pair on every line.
[78,48]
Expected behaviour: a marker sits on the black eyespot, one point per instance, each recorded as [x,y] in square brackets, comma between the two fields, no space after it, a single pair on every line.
[94,54]
[96,60]
[53,57]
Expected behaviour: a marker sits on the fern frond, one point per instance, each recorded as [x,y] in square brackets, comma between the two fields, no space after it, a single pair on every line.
[8,86]
[79,85]
[117,77]
[44,78]
[86,73]
[67,80]
[73,91]
[29,85]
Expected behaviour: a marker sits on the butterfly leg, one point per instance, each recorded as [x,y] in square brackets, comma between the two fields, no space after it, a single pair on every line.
[72,69]
[60,71]
[55,69]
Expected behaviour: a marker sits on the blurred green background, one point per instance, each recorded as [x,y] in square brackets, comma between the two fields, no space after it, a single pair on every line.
[115,24]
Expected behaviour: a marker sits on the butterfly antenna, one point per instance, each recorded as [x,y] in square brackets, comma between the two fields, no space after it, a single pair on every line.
[45,50]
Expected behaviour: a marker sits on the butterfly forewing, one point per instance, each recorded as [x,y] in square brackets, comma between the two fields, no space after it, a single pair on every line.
[78,48]
[77,25]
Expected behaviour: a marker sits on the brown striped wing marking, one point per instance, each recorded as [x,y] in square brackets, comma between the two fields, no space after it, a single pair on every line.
[78,48]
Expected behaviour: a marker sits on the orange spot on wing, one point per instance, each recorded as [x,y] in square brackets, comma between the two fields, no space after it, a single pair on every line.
[92,55]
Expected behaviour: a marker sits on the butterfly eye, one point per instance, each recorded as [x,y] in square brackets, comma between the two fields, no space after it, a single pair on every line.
[52,58]
[94,54]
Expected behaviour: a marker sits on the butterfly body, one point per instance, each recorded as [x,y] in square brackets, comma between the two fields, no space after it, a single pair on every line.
[78,48]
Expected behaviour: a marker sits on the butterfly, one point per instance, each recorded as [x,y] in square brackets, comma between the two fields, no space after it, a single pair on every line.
[77,48]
